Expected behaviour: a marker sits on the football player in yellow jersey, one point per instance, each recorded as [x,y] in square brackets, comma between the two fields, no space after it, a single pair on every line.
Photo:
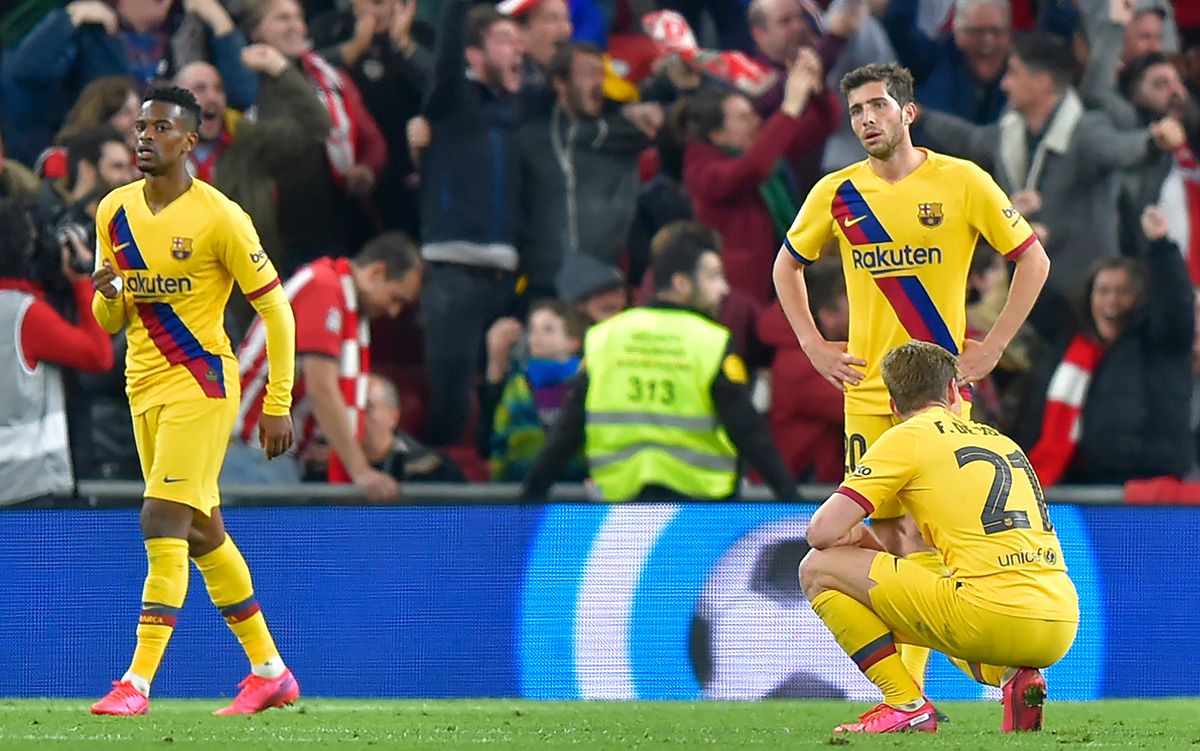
[906,221]
[169,249]
[1003,610]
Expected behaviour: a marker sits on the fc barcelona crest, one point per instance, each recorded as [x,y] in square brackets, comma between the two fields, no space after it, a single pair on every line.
[929,214]
[181,247]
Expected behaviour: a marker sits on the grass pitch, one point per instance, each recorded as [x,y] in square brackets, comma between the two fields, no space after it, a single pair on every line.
[596,726]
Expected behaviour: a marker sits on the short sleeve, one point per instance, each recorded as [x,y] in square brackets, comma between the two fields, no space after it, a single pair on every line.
[991,212]
[245,257]
[319,320]
[813,226]
[883,471]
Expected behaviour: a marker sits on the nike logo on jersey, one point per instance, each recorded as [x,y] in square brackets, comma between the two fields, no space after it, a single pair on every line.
[168,479]
[849,222]
[120,247]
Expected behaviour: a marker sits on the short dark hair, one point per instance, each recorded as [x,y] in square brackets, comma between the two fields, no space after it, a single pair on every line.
[480,21]
[677,249]
[17,238]
[88,146]
[178,96]
[397,251]
[1138,279]
[695,118]
[917,374]
[572,322]
[895,77]
[559,67]
[1132,74]
[1043,52]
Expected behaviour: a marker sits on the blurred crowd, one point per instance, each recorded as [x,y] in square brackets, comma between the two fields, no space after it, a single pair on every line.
[537,152]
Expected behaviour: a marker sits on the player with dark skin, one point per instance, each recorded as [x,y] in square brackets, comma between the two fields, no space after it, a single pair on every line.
[166,133]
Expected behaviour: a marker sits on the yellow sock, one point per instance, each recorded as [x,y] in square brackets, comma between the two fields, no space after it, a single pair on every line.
[869,643]
[988,675]
[916,658]
[162,597]
[228,580]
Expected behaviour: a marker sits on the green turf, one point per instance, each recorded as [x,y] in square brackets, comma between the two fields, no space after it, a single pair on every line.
[596,726]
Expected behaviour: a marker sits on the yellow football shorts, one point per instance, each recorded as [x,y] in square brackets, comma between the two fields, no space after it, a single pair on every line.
[923,608]
[861,433]
[181,447]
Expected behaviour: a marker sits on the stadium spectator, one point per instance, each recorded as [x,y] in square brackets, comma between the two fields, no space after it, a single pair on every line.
[111,100]
[728,19]
[16,180]
[1149,91]
[88,39]
[1149,25]
[670,421]
[530,399]
[393,451]
[544,27]
[245,157]
[597,290]
[1057,161]
[35,459]
[334,300]
[736,168]
[781,28]
[324,194]
[98,161]
[470,188]
[378,46]
[959,74]
[580,162]
[806,415]
[868,44]
[661,200]
[1109,403]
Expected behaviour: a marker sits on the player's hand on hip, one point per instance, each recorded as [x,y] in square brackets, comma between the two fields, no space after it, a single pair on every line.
[835,364]
[105,280]
[378,486]
[976,361]
[275,434]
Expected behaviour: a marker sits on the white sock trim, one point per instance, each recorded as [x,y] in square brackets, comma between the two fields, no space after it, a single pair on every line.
[140,683]
[270,669]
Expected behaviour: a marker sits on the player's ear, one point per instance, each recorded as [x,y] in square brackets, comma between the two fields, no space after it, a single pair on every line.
[892,406]
[909,113]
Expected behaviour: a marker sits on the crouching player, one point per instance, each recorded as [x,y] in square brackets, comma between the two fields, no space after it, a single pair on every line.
[1007,607]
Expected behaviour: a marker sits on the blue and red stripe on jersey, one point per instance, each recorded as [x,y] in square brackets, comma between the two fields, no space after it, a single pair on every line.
[855,217]
[239,612]
[125,248]
[916,311]
[170,335]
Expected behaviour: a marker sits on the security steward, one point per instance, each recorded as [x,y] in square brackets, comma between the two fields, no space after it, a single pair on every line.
[661,405]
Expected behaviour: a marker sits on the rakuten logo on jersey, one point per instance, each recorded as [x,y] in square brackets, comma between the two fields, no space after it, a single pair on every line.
[881,260]
[152,286]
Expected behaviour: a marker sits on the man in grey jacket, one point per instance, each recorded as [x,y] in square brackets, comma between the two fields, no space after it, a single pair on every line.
[1147,91]
[580,165]
[1057,161]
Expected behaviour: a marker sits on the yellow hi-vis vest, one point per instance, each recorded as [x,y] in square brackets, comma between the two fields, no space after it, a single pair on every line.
[650,414]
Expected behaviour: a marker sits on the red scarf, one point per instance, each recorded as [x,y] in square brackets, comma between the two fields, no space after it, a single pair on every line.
[1062,417]
[1185,160]
[202,169]
[339,144]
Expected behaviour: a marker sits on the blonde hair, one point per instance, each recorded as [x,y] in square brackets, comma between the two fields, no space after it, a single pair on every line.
[917,373]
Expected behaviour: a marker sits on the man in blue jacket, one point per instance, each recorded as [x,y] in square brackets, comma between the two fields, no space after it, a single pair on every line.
[470,185]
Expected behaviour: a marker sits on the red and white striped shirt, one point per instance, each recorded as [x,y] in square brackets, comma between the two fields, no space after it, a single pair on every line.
[325,303]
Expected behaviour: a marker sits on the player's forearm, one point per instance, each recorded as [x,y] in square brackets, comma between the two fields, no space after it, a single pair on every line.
[1033,267]
[331,412]
[110,314]
[793,297]
[280,325]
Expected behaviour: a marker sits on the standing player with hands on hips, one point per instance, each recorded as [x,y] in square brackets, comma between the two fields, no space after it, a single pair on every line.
[169,249]
[907,221]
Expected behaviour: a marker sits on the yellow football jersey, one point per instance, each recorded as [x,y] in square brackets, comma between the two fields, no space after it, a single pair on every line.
[975,497]
[906,251]
[178,268]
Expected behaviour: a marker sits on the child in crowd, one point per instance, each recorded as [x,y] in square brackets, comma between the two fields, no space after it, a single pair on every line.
[533,394]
